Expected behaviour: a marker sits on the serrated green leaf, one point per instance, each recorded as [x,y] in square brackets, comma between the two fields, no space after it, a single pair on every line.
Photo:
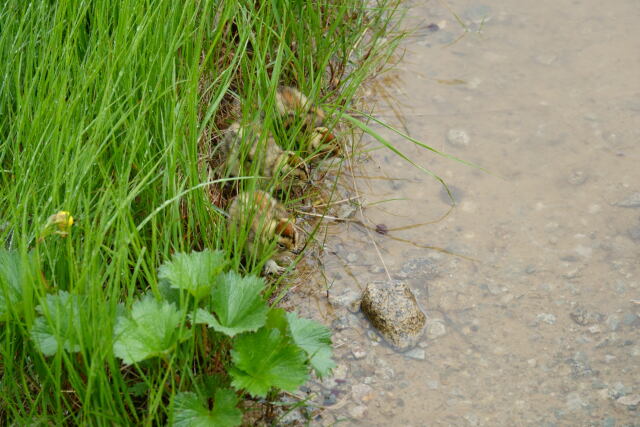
[168,293]
[195,272]
[315,340]
[59,324]
[15,271]
[267,359]
[237,303]
[152,329]
[189,411]
[139,389]
[277,319]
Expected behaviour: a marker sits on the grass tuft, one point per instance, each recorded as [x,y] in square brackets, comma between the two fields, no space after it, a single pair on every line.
[114,112]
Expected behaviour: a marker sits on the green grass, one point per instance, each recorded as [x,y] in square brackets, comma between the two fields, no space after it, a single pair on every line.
[112,110]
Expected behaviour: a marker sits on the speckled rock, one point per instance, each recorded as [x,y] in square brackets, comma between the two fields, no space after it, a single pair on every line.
[631,201]
[392,308]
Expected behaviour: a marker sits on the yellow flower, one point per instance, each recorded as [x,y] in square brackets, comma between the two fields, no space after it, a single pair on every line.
[63,220]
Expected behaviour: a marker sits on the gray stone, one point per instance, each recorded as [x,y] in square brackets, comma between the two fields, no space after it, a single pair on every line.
[620,389]
[416,353]
[584,316]
[345,210]
[358,353]
[393,310]
[598,385]
[340,372]
[631,201]
[352,257]
[472,419]
[346,299]
[420,269]
[376,269]
[619,287]
[546,318]
[608,422]
[629,319]
[594,329]
[340,324]
[630,400]
[385,373]
[634,233]
[330,399]
[577,177]
[546,58]
[361,393]
[458,138]
[613,322]
[357,412]
[575,402]
[293,418]
[580,366]
[436,329]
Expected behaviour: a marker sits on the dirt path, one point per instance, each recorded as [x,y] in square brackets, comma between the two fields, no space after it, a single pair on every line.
[543,329]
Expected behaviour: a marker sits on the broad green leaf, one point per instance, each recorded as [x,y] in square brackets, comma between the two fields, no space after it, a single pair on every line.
[169,293]
[152,329]
[277,318]
[58,326]
[195,272]
[15,271]
[315,340]
[267,359]
[189,411]
[139,389]
[237,304]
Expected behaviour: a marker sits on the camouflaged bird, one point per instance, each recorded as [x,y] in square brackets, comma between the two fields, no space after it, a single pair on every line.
[269,221]
[293,105]
[269,158]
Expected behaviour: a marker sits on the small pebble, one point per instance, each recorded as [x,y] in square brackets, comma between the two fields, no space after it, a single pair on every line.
[630,400]
[634,233]
[458,138]
[357,412]
[436,329]
[433,27]
[546,318]
[382,229]
[620,389]
[416,353]
[575,402]
[546,59]
[609,422]
[629,319]
[362,392]
[433,384]
[376,269]
[631,201]
[577,177]
[472,419]
[375,338]
[613,322]
[358,353]
[340,372]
